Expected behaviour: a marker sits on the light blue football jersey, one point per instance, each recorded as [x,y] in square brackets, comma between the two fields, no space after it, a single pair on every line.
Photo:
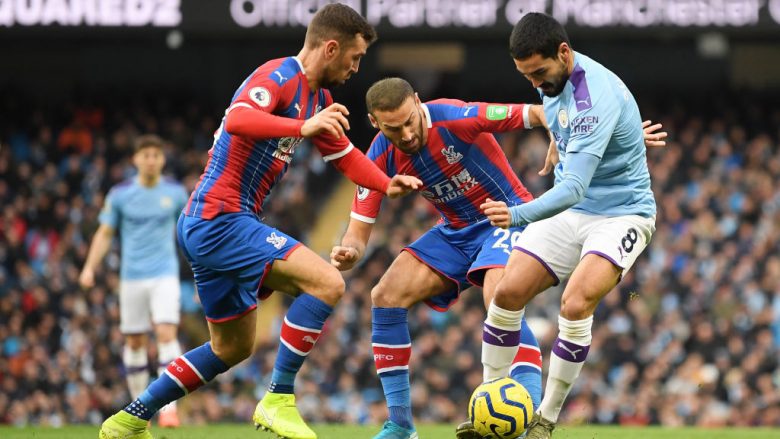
[146,220]
[597,114]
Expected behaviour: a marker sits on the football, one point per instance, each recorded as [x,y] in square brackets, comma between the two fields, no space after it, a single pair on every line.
[500,409]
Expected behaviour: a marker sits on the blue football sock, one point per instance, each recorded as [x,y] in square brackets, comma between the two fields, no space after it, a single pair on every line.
[183,375]
[300,331]
[392,349]
[527,365]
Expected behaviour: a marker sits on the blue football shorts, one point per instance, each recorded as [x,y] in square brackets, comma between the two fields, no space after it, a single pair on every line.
[463,255]
[230,256]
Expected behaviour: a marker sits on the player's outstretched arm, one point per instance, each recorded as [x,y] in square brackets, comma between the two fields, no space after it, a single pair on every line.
[101,242]
[353,245]
[331,120]
[653,138]
[401,185]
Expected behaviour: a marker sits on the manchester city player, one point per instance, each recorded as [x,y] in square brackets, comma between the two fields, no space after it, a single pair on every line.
[591,226]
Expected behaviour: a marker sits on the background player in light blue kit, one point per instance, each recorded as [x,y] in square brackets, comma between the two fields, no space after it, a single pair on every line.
[595,221]
[144,209]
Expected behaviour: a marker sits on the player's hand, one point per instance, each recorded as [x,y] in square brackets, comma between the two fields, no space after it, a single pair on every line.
[402,184]
[497,212]
[332,120]
[344,258]
[551,160]
[87,278]
[653,138]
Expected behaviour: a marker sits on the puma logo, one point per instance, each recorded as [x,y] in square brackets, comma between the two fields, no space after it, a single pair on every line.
[298,107]
[573,353]
[309,339]
[468,109]
[282,78]
[500,338]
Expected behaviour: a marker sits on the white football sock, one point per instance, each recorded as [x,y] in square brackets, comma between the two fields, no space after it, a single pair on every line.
[167,352]
[137,368]
[568,355]
[500,339]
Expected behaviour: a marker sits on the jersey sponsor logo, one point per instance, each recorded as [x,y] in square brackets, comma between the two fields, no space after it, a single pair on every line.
[362,193]
[563,118]
[584,124]
[261,96]
[448,190]
[286,148]
[497,112]
[451,155]
[276,240]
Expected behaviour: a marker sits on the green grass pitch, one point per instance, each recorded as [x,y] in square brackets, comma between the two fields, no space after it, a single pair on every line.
[237,431]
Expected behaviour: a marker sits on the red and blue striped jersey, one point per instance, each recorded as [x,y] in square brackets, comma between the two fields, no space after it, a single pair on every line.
[241,171]
[460,166]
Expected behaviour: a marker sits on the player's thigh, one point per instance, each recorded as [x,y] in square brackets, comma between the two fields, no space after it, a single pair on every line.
[305,271]
[620,239]
[409,281]
[593,278]
[165,300]
[554,242]
[523,278]
[610,248]
[447,253]
[488,266]
[134,312]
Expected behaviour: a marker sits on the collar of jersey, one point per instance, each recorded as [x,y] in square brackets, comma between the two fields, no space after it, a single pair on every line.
[427,115]
[300,65]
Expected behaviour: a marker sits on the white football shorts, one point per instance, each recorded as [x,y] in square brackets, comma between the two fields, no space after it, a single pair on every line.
[143,302]
[561,241]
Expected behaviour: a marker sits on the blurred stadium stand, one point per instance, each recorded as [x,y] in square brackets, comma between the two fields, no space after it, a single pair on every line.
[690,337]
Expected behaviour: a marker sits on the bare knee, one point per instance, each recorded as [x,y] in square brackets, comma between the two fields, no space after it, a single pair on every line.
[165,332]
[578,305]
[136,341]
[507,297]
[384,296]
[233,352]
[331,288]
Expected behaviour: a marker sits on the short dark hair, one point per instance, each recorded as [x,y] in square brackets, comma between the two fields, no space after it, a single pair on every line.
[388,94]
[339,22]
[148,141]
[537,33]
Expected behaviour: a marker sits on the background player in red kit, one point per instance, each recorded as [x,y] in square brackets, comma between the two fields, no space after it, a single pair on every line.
[447,144]
[234,256]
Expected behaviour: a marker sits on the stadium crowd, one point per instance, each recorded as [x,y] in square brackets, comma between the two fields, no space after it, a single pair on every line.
[690,337]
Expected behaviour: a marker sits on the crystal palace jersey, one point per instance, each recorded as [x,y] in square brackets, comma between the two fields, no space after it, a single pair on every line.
[241,171]
[460,166]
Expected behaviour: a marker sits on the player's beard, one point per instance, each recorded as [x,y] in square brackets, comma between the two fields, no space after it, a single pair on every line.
[553,88]
[331,79]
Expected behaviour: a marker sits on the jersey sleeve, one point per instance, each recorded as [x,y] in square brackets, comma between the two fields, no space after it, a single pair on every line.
[594,121]
[366,203]
[110,213]
[470,119]
[261,91]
